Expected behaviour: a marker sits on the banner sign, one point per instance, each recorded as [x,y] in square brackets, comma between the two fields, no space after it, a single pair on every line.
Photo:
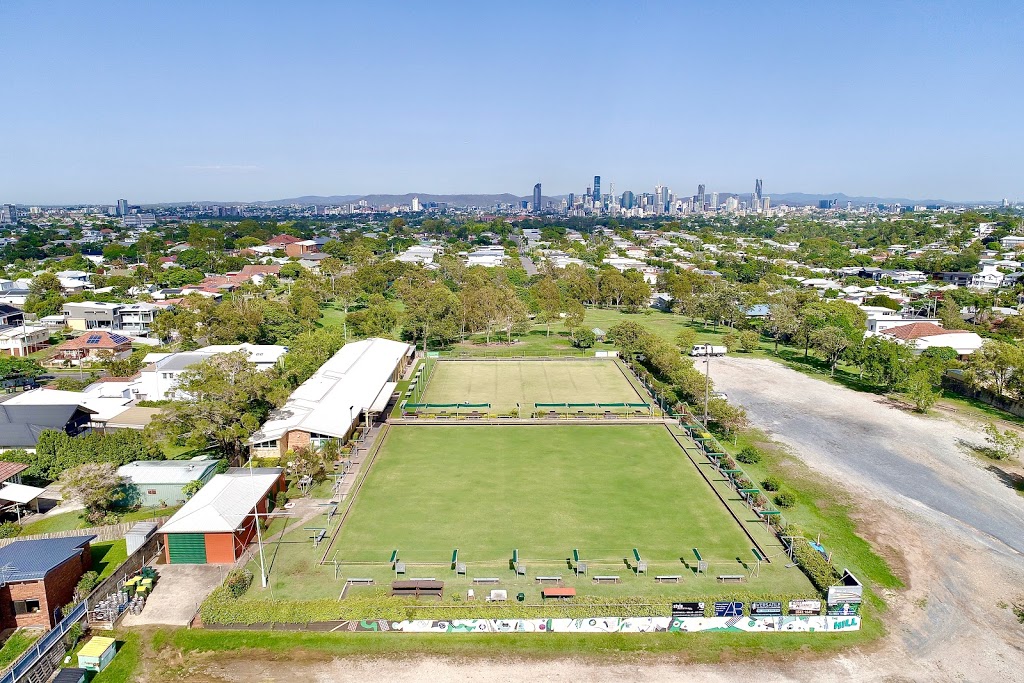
[844,610]
[766,609]
[728,609]
[687,609]
[805,607]
[841,594]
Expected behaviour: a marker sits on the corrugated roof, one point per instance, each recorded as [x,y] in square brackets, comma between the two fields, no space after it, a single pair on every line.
[165,471]
[223,504]
[20,493]
[331,400]
[31,560]
[9,469]
[916,331]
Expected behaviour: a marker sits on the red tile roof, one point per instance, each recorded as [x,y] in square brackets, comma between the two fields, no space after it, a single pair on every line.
[97,339]
[917,330]
[281,240]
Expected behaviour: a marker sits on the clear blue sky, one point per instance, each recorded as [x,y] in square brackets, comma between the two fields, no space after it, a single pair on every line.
[212,100]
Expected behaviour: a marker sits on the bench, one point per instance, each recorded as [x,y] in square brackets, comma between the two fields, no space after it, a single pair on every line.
[497,596]
[607,579]
[548,579]
[418,587]
[486,580]
[359,582]
[563,593]
[668,578]
[731,578]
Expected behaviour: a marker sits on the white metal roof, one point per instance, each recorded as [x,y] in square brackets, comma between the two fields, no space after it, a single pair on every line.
[164,471]
[223,504]
[19,493]
[105,407]
[330,401]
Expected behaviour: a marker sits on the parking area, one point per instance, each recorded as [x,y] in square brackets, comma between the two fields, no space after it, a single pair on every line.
[178,592]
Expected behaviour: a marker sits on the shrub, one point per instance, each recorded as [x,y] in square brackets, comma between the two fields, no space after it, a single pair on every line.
[9,530]
[771,484]
[86,584]
[785,500]
[749,455]
[280,499]
[237,582]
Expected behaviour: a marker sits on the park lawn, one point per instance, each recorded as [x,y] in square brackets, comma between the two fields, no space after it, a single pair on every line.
[506,383]
[331,316]
[107,556]
[16,645]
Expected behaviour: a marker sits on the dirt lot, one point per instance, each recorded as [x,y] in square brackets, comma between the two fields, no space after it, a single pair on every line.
[952,529]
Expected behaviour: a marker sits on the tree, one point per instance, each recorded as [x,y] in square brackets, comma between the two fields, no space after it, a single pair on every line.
[192,488]
[685,339]
[96,485]
[995,366]
[378,319]
[221,401]
[637,292]
[44,295]
[549,301]
[782,322]
[311,462]
[584,339]
[949,314]
[749,340]
[291,270]
[575,314]
[431,312]
[1003,445]
[831,342]
[921,390]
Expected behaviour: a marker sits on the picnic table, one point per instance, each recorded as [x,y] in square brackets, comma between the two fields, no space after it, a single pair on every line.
[562,592]
[417,588]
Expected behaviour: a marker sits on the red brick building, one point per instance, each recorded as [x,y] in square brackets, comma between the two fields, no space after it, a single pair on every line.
[38,577]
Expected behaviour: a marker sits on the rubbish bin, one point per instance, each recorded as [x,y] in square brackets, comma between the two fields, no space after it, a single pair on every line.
[520,597]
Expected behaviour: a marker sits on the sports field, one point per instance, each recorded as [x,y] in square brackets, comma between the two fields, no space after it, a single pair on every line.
[542,489]
[503,384]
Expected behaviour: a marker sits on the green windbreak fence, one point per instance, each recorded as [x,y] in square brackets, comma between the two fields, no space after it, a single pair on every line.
[445,406]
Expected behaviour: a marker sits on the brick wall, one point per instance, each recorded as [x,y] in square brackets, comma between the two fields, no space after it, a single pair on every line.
[297,439]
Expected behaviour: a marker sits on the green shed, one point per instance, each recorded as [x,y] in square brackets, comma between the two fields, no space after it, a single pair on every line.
[160,482]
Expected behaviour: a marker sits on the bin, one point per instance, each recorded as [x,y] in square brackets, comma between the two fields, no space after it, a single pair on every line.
[97,653]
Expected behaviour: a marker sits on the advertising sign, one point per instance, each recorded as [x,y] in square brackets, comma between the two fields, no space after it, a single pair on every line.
[805,607]
[766,609]
[687,609]
[728,609]
[845,609]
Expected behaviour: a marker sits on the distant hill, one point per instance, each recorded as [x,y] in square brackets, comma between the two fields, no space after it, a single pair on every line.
[804,199]
[480,200]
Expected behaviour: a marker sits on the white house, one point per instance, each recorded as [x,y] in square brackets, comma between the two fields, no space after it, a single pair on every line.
[927,335]
[990,277]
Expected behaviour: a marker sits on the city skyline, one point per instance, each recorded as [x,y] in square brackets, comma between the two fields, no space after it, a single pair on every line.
[857,102]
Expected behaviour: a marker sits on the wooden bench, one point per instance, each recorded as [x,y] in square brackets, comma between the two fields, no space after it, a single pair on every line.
[359,582]
[548,579]
[486,580]
[607,579]
[417,588]
[731,578]
[668,578]
[563,593]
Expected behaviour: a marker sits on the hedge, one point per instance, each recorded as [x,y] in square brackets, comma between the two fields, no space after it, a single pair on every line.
[221,608]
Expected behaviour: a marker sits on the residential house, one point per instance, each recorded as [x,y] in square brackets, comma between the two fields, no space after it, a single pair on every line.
[40,577]
[92,315]
[137,319]
[990,277]
[20,425]
[21,340]
[301,248]
[94,346]
[11,315]
[311,261]
[927,335]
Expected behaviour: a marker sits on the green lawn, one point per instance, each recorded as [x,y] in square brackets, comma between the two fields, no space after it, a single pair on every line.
[67,521]
[17,644]
[504,383]
[108,556]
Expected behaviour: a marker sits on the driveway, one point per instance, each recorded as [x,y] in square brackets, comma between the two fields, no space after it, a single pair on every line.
[179,590]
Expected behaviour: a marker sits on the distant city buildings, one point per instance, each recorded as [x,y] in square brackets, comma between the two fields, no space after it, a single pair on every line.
[122,207]
[597,189]
[536,197]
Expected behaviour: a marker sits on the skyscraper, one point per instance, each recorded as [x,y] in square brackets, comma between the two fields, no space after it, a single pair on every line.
[572,200]
[699,205]
[714,201]
[122,207]
[659,198]
[597,189]
[536,197]
[755,199]
[628,200]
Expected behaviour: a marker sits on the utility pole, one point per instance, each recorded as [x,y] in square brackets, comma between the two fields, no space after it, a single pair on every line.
[707,381]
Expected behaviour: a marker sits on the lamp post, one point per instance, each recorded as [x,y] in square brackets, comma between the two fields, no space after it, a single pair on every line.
[707,381]
[256,521]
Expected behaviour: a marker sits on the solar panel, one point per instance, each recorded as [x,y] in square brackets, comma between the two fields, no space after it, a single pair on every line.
[93,339]
[120,339]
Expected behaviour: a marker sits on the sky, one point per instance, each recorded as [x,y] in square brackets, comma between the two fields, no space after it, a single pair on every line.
[245,101]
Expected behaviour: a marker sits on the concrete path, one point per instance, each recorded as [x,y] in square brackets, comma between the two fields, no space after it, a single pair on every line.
[179,591]
[529,266]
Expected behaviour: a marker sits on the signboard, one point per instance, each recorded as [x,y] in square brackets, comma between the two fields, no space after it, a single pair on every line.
[702,567]
[766,609]
[805,607]
[846,609]
[687,609]
[837,595]
[728,609]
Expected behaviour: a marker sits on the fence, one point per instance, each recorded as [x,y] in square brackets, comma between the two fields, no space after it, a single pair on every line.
[24,664]
[140,558]
[112,532]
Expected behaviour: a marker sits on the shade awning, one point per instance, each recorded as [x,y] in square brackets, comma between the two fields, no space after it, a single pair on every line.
[19,493]
[381,402]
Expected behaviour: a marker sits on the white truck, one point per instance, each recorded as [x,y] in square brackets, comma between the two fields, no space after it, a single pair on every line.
[707,350]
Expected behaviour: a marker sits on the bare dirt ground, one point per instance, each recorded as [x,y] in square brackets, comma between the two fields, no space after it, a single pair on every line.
[952,530]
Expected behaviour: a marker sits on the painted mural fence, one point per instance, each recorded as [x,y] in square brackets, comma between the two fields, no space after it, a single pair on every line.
[737,624]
